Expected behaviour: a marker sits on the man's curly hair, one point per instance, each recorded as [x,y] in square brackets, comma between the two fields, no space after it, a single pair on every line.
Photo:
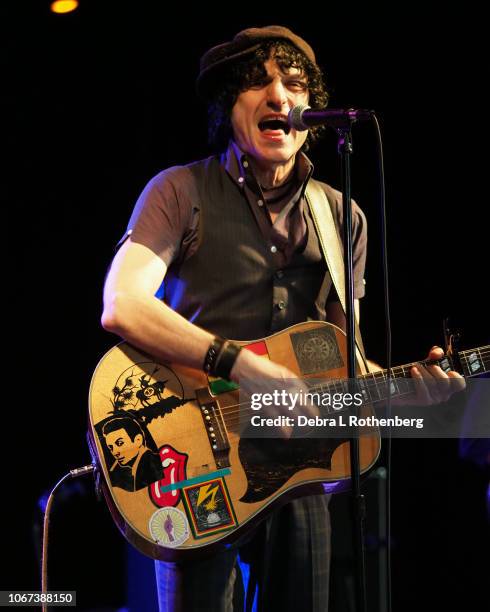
[250,71]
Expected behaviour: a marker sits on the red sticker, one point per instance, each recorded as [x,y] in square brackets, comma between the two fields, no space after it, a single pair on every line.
[173,466]
[259,348]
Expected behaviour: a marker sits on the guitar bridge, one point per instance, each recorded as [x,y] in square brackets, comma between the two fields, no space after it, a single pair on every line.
[215,427]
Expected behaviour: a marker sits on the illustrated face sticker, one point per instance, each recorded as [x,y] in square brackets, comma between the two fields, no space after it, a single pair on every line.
[122,447]
[173,465]
[209,508]
[130,452]
[143,394]
[169,526]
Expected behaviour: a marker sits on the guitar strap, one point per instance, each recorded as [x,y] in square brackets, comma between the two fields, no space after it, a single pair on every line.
[332,251]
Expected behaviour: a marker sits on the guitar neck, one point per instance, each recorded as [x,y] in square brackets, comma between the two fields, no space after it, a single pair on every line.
[468,363]
[374,385]
[471,362]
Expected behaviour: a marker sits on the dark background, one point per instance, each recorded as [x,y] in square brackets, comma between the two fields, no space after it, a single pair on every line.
[98,101]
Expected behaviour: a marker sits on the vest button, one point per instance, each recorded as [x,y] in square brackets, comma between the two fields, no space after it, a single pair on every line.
[273,249]
[281,305]
[260,202]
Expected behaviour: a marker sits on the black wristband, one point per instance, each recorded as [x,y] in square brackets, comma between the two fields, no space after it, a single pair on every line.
[226,359]
[211,357]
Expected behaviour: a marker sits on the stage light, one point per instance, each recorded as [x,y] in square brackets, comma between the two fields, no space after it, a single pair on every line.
[64,6]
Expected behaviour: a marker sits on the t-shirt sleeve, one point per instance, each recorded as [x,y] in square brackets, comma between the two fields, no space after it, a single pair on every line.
[162,218]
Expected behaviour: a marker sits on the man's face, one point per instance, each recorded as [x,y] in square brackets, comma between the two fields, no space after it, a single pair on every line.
[122,447]
[256,114]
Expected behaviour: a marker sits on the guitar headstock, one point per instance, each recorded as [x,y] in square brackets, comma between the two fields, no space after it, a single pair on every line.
[452,338]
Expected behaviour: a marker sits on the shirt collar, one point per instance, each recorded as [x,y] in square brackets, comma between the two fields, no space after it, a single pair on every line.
[236,164]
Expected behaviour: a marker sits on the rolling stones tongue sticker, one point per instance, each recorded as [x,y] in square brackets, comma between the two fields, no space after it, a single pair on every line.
[173,467]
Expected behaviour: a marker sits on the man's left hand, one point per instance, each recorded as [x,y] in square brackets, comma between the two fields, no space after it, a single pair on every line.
[433,385]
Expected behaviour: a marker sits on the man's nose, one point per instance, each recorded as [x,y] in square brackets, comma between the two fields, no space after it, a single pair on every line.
[276,94]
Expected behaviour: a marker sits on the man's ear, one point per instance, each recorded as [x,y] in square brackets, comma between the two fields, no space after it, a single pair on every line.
[138,440]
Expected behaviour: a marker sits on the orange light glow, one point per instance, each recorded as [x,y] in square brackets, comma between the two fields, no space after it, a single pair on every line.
[64,6]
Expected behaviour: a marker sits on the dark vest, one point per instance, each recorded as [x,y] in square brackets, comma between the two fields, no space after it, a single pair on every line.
[231,285]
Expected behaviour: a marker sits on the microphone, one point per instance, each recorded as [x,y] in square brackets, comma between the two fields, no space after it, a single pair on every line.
[301,117]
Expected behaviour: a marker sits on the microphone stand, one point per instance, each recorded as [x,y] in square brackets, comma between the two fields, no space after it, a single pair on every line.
[344,149]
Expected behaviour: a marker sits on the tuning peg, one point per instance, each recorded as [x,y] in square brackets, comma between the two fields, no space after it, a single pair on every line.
[452,338]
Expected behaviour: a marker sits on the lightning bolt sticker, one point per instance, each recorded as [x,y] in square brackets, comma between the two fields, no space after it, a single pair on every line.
[209,508]
[205,493]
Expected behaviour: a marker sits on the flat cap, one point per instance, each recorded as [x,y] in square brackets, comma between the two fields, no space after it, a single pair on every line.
[244,43]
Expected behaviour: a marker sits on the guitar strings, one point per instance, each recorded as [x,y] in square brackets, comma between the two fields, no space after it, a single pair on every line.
[231,415]
[233,418]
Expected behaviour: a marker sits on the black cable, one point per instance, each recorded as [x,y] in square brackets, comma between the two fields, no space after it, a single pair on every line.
[86,469]
[384,252]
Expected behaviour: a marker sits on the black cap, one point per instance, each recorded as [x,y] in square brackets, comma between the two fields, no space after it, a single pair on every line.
[244,43]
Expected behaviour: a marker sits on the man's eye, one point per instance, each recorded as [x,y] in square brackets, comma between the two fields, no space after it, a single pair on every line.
[298,85]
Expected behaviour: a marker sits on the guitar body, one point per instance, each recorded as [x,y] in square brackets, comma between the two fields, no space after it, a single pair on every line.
[178,478]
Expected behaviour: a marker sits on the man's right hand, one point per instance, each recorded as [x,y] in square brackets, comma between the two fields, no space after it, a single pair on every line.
[259,375]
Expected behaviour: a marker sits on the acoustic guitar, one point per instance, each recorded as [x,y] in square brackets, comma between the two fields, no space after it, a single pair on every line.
[178,476]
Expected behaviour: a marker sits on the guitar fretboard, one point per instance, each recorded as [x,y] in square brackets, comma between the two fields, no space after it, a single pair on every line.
[374,385]
[475,361]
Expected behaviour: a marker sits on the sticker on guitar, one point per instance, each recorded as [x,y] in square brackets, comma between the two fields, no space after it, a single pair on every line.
[209,508]
[141,395]
[141,388]
[169,526]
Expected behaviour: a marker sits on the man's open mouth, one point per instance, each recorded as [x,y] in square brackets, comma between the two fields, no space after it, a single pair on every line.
[274,124]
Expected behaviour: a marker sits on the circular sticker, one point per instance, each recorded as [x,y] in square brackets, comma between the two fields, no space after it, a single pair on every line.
[169,526]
